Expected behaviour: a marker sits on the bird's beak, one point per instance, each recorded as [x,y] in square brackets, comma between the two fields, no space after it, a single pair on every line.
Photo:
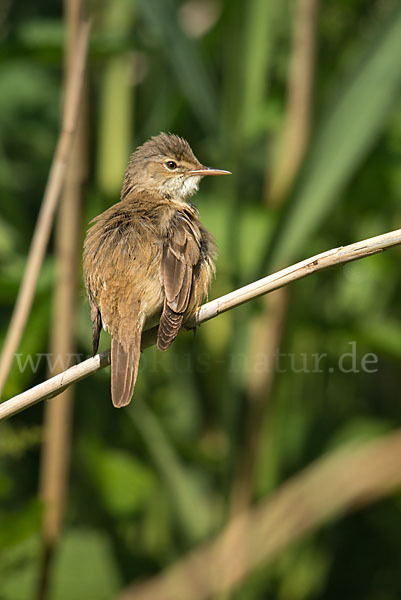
[208,171]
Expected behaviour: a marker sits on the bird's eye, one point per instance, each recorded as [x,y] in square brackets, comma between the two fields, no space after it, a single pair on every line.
[170,164]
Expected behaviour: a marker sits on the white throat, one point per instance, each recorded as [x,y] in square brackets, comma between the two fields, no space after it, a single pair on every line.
[180,188]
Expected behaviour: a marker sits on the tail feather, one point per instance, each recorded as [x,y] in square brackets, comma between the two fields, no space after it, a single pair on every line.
[124,370]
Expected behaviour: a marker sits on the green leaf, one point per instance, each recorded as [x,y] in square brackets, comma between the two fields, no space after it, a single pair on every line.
[183,57]
[194,506]
[85,567]
[124,484]
[42,33]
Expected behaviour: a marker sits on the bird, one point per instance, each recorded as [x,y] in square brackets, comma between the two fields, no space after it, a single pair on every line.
[148,256]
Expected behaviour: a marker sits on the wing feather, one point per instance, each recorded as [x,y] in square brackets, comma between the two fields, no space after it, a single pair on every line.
[181,253]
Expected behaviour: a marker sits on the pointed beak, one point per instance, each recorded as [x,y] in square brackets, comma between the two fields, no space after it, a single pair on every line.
[208,171]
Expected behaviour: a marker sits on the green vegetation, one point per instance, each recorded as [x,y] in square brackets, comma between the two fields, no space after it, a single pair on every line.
[150,482]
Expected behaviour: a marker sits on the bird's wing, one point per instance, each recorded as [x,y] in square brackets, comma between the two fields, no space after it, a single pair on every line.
[181,252]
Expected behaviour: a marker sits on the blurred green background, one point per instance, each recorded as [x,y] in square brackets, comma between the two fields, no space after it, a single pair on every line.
[217,417]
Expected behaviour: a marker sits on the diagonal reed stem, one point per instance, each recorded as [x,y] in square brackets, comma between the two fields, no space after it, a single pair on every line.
[337,256]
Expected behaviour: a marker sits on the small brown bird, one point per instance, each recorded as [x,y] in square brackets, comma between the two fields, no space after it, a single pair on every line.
[147,255]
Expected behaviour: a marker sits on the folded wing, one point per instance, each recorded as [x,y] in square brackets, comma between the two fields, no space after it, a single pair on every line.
[181,253]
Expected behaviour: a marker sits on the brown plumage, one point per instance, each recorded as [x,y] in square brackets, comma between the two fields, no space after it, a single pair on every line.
[148,255]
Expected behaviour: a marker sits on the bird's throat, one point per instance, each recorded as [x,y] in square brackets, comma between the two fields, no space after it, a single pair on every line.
[180,189]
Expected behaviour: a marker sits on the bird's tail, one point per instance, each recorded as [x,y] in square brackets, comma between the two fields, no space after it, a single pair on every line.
[124,370]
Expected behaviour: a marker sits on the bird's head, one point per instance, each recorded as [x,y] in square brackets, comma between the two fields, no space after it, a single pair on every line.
[165,164]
